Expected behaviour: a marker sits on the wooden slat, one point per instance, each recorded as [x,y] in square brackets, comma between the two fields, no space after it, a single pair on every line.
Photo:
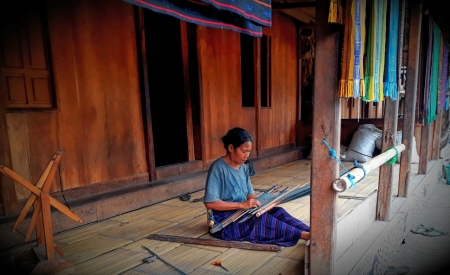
[230,244]
[386,172]
[91,248]
[18,137]
[232,259]
[326,117]
[42,141]
[436,151]
[55,203]
[410,95]
[7,187]
[136,231]
[257,81]
[186,258]
[121,98]
[281,266]
[32,197]
[424,149]
[47,223]
[113,262]
[187,89]
[148,130]
[69,119]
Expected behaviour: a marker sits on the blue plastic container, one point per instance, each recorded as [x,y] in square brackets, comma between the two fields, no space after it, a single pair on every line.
[447,173]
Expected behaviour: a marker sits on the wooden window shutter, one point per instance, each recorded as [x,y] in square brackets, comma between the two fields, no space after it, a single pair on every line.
[25,70]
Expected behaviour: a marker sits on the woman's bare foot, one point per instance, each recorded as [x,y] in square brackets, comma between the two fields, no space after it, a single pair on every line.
[304,235]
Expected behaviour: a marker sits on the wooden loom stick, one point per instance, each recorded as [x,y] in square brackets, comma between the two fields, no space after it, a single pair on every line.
[274,202]
[238,214]
[33,196]
[53,202]
[211,242]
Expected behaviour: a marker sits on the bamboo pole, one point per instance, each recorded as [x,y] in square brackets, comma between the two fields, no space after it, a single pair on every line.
[343,183]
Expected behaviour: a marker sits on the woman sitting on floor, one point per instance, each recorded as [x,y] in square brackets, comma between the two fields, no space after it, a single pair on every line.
[228,188]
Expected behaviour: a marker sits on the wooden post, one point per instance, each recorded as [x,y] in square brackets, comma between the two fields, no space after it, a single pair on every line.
[257,81]
[436,151]
[146,91]
[410,95]
[7,185]
[386,174]
[187,90]
[424,144]
[326,125]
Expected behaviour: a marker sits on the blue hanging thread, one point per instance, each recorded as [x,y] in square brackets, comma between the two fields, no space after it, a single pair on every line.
[394,158]
[355,163]
[333,155]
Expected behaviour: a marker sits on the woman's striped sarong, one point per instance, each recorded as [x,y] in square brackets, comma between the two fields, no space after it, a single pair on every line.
[276,226]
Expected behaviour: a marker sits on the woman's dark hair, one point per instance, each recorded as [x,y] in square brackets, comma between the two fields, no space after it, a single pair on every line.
[236,136]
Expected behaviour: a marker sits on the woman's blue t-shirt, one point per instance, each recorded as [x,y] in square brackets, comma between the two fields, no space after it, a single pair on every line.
[227,184]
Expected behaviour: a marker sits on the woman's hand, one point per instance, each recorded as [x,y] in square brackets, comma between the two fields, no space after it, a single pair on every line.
[251,203]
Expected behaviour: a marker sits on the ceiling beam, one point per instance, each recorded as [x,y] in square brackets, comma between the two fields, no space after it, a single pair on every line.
[293,5]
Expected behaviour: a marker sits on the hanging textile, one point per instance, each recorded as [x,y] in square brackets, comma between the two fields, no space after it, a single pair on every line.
[434,76]
[336,12]
[443,76]
[376,51]
[390,73]
[244,16]
[426,86]
[352,73]
[257,11]
[447,103]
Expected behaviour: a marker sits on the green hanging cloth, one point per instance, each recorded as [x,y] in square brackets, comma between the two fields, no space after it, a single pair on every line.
[434,78]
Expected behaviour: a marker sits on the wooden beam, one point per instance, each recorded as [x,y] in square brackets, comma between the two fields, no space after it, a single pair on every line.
[257,81]
[150,152]
[410,95]
[436,151]
[293,5]
[424,145]
[213,242]
[187,89]
[7,186]
[326,125]
[386,174]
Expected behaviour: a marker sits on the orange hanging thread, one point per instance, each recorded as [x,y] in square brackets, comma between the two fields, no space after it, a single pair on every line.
[219,264]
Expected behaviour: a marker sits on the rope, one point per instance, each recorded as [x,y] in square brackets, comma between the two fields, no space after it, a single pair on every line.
[333,155]
[359,165]
[355,164]
[394,158]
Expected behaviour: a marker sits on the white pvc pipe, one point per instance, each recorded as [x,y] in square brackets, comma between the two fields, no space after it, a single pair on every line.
[343,183]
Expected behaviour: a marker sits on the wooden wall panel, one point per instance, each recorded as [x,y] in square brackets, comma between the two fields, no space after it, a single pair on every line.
[42,144]
[219,64]
[18,142]
[99,116]
[61,19]
[279,121]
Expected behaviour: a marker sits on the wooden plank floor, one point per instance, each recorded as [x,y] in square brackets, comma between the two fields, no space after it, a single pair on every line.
[114,246]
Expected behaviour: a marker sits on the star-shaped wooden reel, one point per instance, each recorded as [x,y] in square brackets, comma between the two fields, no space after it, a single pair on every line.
[41,200]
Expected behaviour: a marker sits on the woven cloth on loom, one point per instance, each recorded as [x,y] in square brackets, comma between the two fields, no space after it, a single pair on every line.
[376,51]
[352,73]
[443,76]
[203,13]
[390,73]
[434,77]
